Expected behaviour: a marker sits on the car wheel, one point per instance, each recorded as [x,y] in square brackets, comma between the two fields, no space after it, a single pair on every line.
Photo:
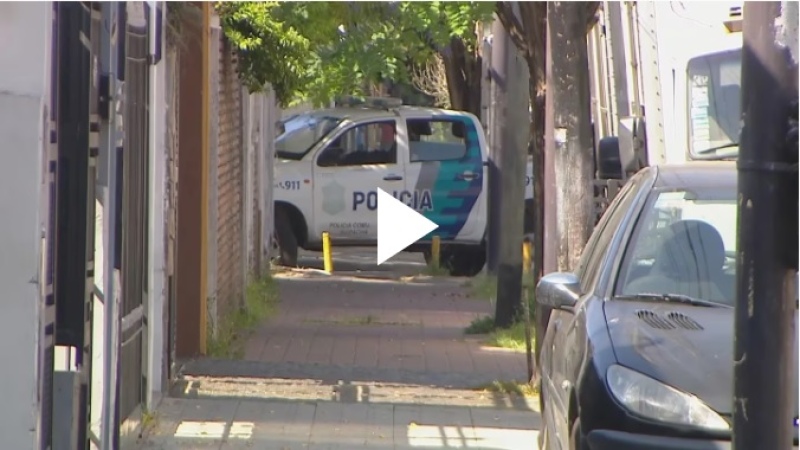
[427,255]
[285,238]
[577,441]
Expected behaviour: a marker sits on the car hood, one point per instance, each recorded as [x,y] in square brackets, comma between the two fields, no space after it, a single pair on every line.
[687,347]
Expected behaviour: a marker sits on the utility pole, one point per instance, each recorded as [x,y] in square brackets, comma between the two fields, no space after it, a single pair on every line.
[572,156]
[497,125]
[513,154]
[765,361]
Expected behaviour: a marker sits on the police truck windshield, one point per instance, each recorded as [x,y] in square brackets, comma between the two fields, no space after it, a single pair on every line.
[714,104]
[302,132]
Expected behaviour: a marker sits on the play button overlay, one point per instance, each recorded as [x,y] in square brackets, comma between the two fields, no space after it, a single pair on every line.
[398,226]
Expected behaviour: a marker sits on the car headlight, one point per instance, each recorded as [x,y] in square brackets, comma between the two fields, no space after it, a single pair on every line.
[655,400]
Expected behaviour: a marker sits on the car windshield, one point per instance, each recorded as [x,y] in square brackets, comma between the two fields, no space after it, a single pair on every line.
[684,244]
[301,132]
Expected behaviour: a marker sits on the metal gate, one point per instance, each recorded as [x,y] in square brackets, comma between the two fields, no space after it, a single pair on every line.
[76,136]
[134,210]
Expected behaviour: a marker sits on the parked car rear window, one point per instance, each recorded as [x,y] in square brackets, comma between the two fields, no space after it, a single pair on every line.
[684,243]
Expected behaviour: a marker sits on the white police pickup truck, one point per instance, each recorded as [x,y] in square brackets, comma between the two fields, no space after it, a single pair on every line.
[329,164]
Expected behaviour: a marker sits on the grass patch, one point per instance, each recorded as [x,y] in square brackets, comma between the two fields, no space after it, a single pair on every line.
[509,388]
[512,338]
[261,301]
[483,286]
[480,325]
[435,270]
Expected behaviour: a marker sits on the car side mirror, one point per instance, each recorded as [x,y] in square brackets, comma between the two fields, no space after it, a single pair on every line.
[558,290]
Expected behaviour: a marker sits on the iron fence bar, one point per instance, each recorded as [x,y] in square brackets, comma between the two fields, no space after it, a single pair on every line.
[110,15]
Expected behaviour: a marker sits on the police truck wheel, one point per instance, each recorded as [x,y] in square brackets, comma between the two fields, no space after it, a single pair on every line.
[287,241]
[428,256]
[463,261]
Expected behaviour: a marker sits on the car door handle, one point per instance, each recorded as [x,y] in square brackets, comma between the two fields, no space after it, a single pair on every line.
[393,177]
[468,176]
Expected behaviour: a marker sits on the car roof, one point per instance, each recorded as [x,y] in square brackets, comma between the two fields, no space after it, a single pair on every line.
[696,174]
[356,114]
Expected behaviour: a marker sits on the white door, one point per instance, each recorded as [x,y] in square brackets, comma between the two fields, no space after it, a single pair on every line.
[347,175]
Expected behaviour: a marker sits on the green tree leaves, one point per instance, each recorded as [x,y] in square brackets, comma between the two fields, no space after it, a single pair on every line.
[313,51]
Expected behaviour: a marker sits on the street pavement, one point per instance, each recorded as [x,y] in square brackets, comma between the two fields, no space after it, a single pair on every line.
[364,358]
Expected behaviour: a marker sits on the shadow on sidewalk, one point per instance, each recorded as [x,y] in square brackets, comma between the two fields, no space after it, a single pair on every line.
[236,423]
[283,390]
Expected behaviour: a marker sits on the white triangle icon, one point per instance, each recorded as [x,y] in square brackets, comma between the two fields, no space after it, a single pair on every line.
[398,226]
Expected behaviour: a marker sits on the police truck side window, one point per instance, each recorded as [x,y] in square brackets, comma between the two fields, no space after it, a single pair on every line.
[436,140]
[371,143]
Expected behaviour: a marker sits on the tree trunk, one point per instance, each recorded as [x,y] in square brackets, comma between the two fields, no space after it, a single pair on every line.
[514,151]
[463,71]
[572,129]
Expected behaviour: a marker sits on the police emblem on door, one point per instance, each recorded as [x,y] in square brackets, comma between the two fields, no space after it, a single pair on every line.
[333,198]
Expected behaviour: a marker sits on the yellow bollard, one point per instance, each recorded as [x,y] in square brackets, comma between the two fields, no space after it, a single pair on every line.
[526,307]
[436,245]
[526,257]
[326,252]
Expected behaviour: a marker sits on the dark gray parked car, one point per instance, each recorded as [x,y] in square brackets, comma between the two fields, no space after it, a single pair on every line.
[638,353]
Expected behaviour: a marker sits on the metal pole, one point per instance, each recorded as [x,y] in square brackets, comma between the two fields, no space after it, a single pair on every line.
[548,209]
[497,75]
[765,361]
[111,319]
[550,259]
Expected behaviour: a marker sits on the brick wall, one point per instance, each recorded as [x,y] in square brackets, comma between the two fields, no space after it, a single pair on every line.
[230,198]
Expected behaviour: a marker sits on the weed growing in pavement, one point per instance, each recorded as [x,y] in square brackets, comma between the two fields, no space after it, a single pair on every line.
[434,270]
[149,421]
[261,301]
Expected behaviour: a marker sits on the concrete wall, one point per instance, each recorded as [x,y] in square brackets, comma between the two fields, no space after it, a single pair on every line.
[24,108]
[157,288]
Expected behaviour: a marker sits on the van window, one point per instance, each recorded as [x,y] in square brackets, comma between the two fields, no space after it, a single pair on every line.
[436,139]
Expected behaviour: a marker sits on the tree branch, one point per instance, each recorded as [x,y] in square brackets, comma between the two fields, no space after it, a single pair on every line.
[505,13]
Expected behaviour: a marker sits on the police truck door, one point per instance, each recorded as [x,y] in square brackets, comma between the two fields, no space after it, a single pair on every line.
[348,172]
[445,175]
